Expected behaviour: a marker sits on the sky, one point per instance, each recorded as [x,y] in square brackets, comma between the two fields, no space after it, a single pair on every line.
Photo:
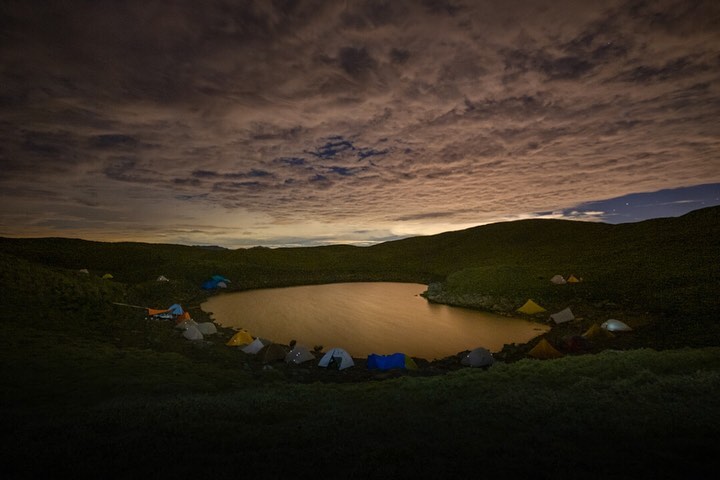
[305,122]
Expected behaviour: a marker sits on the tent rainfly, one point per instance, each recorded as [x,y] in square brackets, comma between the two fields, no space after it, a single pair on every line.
[613,325]
[339,356]
[192,333]
[298,355]
[240,338]
[543,351]
[562,316]
[207,328]
[479,357]
[531,308]
[558,280]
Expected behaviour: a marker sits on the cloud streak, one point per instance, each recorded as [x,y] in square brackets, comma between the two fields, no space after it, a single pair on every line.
[384,117]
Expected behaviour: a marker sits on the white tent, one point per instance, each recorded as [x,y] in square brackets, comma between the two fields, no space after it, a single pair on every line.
[185,324]
[299,354]
[558,280]
[207,328]
[613,325]
[192,333]
[84,270]
[479,357]
[562,316]
[340,356]
[254,347]
[162,278]
[222,285]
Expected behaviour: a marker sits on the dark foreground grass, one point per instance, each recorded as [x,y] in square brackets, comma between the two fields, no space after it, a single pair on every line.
[637,414]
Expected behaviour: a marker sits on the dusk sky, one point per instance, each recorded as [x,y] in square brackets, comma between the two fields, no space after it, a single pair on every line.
[240,123]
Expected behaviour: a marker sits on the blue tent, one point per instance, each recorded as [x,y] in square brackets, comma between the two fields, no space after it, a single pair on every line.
[210,284]
[175,309]
[386,362]
[220,278]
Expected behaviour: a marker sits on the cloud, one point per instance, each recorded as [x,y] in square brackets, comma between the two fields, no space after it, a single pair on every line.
[378,116]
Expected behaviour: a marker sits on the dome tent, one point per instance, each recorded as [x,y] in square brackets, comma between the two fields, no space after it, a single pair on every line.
[613,325]
[299,354]
[479,357]
[339,357]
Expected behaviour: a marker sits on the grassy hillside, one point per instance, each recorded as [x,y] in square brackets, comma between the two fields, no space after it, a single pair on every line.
[94,389]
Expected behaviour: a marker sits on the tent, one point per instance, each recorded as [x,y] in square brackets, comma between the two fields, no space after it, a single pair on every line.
[162,278]
[558,280]
[596,332]
[254,347]
[613,325]
[299,354]
[562,316]
[221,285]
[192,333]
[183,317]
[153,312]
[410,363]
[272,353]
[207,328]
[388,362]
[530,308]
[339,356]
[479,357]
[84,270]
[543,351]
[240,338]
[185,324]
[219,278]
[573,279]
[107,276]
[175,309]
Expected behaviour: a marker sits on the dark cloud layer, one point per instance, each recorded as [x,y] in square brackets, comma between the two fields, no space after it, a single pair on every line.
[255,121]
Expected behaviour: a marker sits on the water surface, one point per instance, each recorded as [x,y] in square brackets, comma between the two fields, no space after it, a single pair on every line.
[366,318]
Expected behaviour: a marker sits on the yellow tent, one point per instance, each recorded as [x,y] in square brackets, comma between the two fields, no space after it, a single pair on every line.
[240,338]
[531,308]
[596,332]
[107,276]
[573,279]
[543,351]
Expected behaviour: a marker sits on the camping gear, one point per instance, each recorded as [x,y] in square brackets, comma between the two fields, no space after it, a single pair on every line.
[544,351]
[531,308]
[479,357]
[339,356]
[107,276]
[183,317]
[221,285]
[573,279]
[298,355]
[219,278]
[176,309]
[185,324]
[240,338]
[558,280]
[254,347]
[162,278]
[596,332]
[613,325]
[388,362]
[562,316]
[207,328]
[272,353]
[192,333]
[84,270]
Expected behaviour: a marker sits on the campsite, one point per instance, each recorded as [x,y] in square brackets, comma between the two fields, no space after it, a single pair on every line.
[102,379]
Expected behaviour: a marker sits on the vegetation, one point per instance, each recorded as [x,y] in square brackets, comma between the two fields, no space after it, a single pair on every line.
[94,389]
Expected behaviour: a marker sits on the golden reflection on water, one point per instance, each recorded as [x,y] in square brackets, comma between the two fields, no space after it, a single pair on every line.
[366,318]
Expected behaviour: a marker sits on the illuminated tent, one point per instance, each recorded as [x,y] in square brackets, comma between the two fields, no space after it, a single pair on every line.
[207,328]
[162,278]
[107,276]
[479,357]
[338,356]
[254,347]
[272,353]
[240,338]
[544,351]
[613,325]
[530,308]
[388,362]
[573,279]
[558,280]
[596,332]
[298,355]
[562,316]
[192,333]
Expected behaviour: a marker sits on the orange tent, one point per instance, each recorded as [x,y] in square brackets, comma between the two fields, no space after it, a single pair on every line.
[152,311]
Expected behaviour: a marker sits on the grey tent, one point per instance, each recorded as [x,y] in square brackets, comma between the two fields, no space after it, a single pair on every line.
[558,280]
[339,356]
[207,328]
[192,333]
[562,316]
[479,357]
[299,354]
[254,347]
[613,325]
